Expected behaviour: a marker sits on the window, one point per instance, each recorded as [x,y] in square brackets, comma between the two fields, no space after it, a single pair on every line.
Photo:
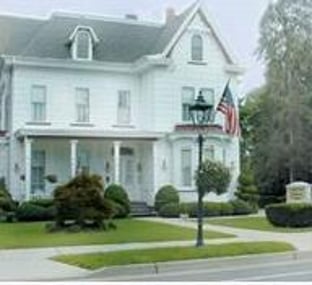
[82,105]
[197,48]
[188,94]
[83,160]
[124,107]
[83,45]
[186,167]
[38,171]
[208,94]
[209,153]
[38,104]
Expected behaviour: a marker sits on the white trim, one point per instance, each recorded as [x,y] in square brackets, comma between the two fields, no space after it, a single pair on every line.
[199,7]
[84,28]
[234,69]
[139,66]
[194,135]
[116,145]
[73,157]
[180,30]
[105,134]
[27,161]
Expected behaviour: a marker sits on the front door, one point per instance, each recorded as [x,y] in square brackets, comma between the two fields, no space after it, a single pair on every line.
[128,173]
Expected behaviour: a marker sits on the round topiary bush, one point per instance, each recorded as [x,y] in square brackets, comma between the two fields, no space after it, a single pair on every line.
[289,215]
[170,210]
[165,195]
[118,195]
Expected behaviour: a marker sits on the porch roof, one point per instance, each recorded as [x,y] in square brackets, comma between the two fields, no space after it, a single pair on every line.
[88,134]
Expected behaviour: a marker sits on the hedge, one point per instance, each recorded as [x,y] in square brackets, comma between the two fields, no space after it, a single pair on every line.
[171,210]
[210,209]
[29,212]
[166,195]
[118,195]
[290,215]
[241,207]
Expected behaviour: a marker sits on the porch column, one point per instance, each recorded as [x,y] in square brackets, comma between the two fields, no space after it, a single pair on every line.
[117,161]
[27,149]
[73,157]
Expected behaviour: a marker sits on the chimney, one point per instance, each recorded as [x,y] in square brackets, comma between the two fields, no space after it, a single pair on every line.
[131,17]
[170,14]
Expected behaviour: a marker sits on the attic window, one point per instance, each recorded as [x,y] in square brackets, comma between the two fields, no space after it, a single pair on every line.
[83,45]
[82,41]
[197,48]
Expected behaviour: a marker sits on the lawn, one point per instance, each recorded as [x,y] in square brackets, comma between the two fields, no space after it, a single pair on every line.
[26,235]
[97,260]
[254,223]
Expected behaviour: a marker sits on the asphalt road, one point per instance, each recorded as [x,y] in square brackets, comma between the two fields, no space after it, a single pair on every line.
[256,270]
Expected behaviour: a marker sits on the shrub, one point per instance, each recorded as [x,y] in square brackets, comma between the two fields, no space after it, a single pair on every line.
[226,209]
[246,190]
[241,207]
[43,202]
[119,210]
[82,200]
[165,195]
[120,199]
[6,202]
[28,212]
[289,215]
[189,208]
[170,210]
[210,209]
[212,177]
[266,199]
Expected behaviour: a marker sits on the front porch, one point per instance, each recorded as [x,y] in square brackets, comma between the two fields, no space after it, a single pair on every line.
[128,162]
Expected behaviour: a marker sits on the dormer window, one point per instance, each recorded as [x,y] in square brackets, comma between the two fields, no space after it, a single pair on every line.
[197,48]
[83,40]
[84,45]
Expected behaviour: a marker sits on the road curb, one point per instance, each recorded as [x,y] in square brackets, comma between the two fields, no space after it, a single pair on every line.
[196,264]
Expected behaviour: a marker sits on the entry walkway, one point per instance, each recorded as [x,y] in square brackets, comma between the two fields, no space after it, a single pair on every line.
[34,264]
[301,241]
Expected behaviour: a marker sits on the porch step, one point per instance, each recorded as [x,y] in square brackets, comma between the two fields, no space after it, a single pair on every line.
[141,209]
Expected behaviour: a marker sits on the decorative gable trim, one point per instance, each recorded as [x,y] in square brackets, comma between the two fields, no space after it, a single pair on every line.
[212,27]
[84,28]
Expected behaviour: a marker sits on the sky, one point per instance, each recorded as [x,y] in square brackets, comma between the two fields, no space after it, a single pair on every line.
[238,21]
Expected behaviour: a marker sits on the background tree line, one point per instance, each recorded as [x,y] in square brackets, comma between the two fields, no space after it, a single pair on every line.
[276,119]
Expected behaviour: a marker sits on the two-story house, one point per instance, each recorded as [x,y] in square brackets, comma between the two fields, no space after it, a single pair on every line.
[111,96]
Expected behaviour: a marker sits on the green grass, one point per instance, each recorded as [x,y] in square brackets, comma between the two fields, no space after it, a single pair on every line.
[26,235]
[254,223]
[97,260]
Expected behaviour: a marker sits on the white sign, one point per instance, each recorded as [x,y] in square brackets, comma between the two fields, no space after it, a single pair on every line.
[298,192]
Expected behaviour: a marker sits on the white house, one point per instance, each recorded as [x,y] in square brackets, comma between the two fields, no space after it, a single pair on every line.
[111,95]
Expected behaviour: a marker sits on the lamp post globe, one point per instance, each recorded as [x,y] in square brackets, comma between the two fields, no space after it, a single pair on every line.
[201,114]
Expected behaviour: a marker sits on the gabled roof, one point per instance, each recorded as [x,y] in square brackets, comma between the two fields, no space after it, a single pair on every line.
[119,41]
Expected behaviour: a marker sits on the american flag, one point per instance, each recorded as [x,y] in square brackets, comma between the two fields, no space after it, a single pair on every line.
[227,107]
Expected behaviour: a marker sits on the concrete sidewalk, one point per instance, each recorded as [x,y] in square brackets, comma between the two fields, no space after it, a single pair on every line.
[301,241]
[34,264]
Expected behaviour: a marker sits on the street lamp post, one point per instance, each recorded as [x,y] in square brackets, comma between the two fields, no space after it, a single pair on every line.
[200,113]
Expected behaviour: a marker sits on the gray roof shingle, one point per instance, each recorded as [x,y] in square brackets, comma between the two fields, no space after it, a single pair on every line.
[120,41]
